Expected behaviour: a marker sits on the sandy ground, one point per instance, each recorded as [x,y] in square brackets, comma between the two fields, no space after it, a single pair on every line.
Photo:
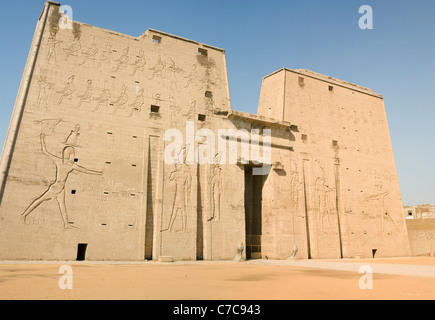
[250,280]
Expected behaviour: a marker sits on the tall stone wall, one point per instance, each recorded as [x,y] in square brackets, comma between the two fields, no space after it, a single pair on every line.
[86,165]
[342,173]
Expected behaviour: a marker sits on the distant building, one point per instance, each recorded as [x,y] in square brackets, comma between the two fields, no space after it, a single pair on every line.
[420,222]
[419,212]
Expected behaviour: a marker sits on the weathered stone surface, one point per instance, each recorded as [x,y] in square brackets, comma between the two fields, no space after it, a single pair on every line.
[86,157]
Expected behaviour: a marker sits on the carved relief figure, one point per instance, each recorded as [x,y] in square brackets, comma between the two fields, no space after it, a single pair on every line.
[65,165]
[67,92]
[139,63]
[215,182]
[123,60]
[105,56]
[192,111]
[87,95]
[173,74]
[137,104]
[74,47]
[52,42]
[182,179]
[42,94]
[211,80]
[120,102]
[90,53]
[73,138]
[324,196]
[174,111]
[379,196]
[103,98]
[191,76]
[296,187]
[157,69]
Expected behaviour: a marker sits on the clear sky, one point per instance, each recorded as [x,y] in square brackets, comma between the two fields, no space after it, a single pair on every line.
[396,58]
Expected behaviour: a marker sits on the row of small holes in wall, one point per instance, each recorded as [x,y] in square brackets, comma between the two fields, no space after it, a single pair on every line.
[105,192]
[131,194]
[105,225]
[158,40]
[301,82]
[108,162]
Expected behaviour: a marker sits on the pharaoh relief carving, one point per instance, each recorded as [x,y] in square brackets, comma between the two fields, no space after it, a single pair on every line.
[157,69]
[173,72]
[216,190]
[86,96]
[379,198]
[192,111]
[75,46]
[191,76]
[139,63]
[182,179]
[175,111]
[90,53]
[121,101]
[52,44]
[137,104]
[43,86]
[324,196]
[106,56]
[296,189]
[122,61]
[103,98]
[65,165]
[211,78]
[67,92]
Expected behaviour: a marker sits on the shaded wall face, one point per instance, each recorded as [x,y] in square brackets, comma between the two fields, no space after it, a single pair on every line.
[88,162]
[343,193]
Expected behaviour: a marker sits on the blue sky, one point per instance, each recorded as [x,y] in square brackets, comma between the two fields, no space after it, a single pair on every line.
[396,58]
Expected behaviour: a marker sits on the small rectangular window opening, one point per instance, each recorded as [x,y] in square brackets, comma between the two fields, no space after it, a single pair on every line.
[209,94]
[201,117]
[155,109]
[304,137]
[331,88]
[73,191]
[334,143]
[301,81]
[76,160]
[202,52]
[157,39]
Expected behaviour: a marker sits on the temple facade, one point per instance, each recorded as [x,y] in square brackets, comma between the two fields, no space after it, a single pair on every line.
[127,148]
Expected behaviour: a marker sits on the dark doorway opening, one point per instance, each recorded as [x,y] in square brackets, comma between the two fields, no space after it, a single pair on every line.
[81,251]
[374,252]
[253,213]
